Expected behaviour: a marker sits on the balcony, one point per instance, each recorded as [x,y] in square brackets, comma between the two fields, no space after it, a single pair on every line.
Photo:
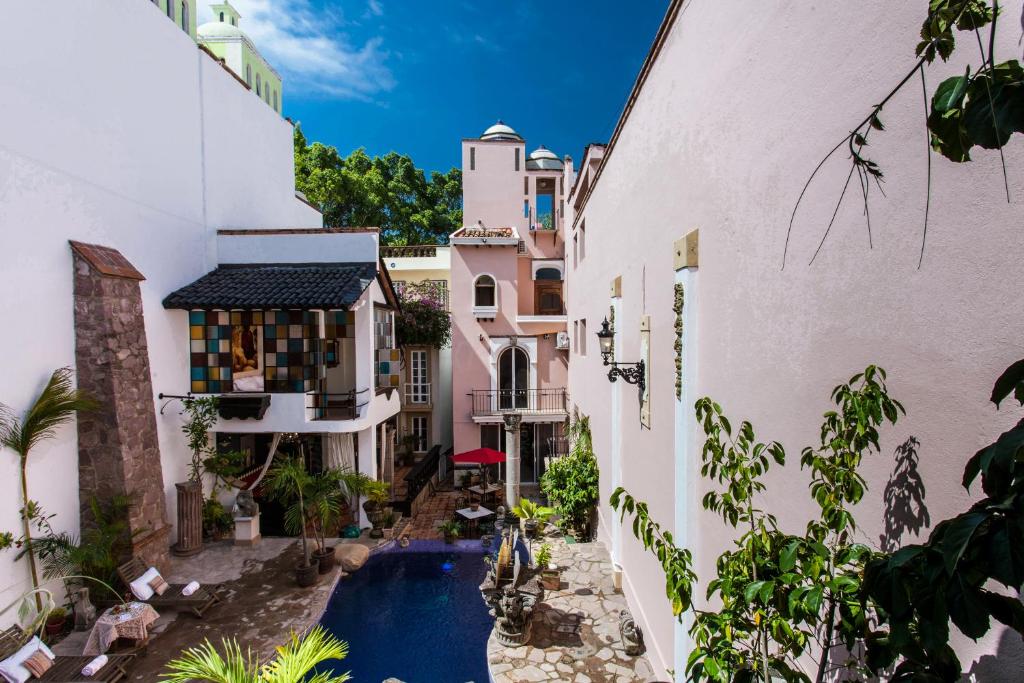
[417,396]
[343,406]
[531,403]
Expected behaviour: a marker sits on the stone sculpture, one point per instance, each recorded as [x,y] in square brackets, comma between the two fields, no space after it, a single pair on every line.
[513,617]
[632,636]
[245,505]
[85,611]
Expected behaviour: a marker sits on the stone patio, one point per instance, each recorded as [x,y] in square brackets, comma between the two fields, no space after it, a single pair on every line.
[575,630]
[262,604]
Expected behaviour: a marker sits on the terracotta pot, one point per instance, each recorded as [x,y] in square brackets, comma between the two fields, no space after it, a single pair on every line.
[307,576]
[551,579]
[56,626]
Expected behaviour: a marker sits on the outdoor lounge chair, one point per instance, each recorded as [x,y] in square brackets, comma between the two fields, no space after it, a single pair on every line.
[200,601]
[68,669]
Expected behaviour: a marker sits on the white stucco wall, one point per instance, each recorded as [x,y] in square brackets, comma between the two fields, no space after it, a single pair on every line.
[737,110]
[108,149]
[282,247]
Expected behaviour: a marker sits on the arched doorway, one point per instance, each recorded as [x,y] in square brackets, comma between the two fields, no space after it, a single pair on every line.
[513,379]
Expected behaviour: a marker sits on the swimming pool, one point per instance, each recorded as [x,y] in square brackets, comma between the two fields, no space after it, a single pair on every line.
[414,614]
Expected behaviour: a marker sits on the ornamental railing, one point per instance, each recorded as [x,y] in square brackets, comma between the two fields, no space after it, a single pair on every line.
[334,406]
[540,401]
[424,251]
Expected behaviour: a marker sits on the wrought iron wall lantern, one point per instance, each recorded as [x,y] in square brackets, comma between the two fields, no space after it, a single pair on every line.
[632,373]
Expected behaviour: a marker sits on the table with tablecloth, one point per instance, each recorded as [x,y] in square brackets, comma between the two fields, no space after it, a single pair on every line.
[131,620]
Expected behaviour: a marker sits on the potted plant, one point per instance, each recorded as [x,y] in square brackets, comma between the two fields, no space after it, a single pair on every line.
[217,521]
[56,621]
[202,416]
[288,482]
[325,502]
[531,515]
[390,519]
[451,530]
[377,494]
[550,575]
[466,480]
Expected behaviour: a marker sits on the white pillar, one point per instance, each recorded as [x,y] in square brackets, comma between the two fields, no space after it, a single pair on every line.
[512,421]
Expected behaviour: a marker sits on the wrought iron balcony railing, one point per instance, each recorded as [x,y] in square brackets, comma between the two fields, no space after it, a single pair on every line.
[541,401]
[343,406]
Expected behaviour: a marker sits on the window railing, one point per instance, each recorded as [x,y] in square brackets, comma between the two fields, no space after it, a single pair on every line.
[417,394]
[541,401]
[332,406]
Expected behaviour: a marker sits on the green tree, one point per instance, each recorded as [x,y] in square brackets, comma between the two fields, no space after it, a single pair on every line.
[54,407]
[387,191]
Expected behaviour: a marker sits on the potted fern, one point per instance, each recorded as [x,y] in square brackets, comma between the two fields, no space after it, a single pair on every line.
[451,530]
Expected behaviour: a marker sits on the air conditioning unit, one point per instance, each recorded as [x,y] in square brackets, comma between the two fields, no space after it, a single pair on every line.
[562,341]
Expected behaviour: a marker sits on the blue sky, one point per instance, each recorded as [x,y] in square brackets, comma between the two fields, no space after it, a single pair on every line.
[416,76]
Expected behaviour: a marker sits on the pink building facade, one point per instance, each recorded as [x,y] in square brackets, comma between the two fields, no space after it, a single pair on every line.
[716,143]
[509,341]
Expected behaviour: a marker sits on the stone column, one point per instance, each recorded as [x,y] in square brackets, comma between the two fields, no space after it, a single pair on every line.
[512,422]
[118,451]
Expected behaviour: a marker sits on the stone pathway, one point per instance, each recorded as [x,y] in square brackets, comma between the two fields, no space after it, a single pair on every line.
[575,630]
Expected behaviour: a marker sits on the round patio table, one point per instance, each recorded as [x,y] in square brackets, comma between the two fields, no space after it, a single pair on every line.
[132,623]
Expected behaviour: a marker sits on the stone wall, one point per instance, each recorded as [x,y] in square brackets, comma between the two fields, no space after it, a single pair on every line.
[118,452]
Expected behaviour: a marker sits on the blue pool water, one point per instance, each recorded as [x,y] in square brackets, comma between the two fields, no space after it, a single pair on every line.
[415,614]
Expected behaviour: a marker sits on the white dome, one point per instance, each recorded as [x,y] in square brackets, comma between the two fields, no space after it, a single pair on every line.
[500,131]
[543,159]
[219,30]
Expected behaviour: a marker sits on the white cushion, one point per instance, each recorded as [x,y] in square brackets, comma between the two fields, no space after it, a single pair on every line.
[11,668]
[140,586]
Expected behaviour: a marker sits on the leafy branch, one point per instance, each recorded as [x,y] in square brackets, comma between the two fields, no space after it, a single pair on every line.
[984,107]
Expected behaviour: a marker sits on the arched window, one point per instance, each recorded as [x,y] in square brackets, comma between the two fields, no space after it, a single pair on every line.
[485,292]
[258,93]
[222,17]
[548,274]
[275,101]
[170,9]
[513,378]
[184,16]
[248,75]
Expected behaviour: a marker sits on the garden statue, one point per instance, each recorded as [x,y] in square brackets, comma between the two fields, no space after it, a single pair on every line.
[85,611]
[632,636]
[513,616]
[245,505]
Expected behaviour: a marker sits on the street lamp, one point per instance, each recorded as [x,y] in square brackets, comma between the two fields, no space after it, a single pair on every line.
[632,373]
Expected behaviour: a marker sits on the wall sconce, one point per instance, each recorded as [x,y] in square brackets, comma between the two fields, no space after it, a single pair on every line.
[632,373]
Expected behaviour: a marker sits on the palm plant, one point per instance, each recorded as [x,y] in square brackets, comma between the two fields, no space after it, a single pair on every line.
[295,660]
[53,408]
[529,511]
[288,481]
[99,550]
[322,499]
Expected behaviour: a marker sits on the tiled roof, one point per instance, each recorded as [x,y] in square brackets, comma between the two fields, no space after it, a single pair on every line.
[106,260]
[266,286]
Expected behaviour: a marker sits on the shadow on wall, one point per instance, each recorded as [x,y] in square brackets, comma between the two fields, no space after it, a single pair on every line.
[904,497]
[1005,665]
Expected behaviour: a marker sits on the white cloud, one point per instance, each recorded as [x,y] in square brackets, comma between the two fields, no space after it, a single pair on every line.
[311,49]
[375,8]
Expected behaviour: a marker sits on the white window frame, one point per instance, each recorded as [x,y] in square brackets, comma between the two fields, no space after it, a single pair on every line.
[485,311]
[419,376]
[420,428]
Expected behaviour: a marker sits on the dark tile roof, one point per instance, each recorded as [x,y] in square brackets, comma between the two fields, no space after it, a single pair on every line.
[298,285]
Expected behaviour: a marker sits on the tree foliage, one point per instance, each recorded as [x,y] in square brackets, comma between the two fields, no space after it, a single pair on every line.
[776,593]
[571,481]
[387,192]
[423,318]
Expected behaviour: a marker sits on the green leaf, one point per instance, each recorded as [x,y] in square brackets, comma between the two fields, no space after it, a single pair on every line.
[995,108]
[1011,379]
[950,93]
[787,560]
[957,536]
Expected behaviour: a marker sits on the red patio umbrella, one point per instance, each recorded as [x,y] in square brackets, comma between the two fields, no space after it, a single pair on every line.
[480,456]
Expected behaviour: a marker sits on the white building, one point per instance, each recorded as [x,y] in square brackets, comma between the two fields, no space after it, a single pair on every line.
[149,166]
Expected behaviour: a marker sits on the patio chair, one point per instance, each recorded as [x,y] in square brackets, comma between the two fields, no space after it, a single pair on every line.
[200,601]
[67,669]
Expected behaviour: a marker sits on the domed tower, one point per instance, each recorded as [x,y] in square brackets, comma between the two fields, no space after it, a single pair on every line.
[225,39]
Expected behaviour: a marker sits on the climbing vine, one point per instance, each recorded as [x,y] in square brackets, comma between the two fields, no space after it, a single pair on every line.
[983,107]
[677,308]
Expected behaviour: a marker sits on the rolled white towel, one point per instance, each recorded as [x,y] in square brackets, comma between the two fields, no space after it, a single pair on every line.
[93,667]
[191,588]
